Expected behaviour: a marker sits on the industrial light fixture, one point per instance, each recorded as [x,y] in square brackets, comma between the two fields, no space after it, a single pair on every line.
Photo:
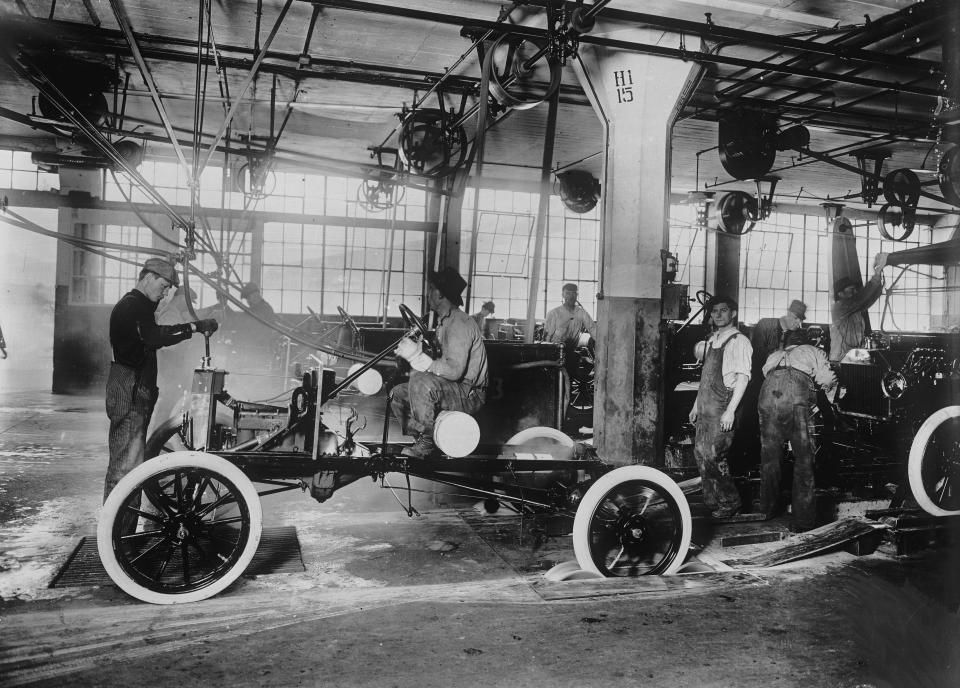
[832,211]
[765,188]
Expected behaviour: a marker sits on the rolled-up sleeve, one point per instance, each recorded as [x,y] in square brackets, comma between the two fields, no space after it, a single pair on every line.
[737,360]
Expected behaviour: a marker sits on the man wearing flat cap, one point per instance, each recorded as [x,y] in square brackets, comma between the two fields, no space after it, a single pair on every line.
[767,335]
[456,380]
[132,382]
[848,323]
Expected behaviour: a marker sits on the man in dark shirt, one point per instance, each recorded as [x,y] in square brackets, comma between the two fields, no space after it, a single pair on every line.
[132,381]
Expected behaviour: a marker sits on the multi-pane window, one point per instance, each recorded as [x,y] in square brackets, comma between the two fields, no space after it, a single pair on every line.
[117,277]
[506,222]
[17,171]
[688,242]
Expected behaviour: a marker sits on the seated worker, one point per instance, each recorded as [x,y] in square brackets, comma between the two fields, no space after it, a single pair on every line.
[788,398]
[486,310]
[455,381]
[717,409]
[566,322]
[848,323]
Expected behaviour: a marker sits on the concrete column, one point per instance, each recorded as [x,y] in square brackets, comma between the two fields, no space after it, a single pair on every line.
[637,98]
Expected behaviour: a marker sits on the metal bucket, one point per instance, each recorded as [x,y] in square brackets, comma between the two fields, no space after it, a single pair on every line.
[456,433]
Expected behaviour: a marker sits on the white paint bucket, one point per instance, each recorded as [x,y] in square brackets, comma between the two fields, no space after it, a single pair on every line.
[456,433]
[369,383]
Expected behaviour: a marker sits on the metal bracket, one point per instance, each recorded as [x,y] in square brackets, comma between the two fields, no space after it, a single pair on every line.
[870,179]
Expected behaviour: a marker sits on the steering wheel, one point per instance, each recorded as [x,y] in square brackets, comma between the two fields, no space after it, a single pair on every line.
[349,322]
[412,320]
[703,297]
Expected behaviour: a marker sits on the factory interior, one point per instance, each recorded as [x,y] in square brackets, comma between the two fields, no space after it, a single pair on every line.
[477,342]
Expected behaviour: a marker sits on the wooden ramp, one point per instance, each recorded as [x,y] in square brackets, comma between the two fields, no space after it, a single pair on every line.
[656,586]
[843,532]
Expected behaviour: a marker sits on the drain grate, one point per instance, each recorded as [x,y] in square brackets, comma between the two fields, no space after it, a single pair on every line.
[279,552]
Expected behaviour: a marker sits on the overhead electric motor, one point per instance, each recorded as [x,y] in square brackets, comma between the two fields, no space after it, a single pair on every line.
[579,190]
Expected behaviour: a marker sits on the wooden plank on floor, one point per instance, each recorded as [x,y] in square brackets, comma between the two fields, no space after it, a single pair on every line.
[813,542]
[643,585]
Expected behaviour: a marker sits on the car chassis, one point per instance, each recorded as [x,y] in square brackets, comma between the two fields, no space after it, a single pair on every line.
[184,525]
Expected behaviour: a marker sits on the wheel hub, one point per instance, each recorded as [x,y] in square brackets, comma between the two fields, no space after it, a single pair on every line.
[632,529]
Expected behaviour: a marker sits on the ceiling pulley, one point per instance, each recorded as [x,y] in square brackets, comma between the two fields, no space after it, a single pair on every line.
[579,190]
[382,186]
[522,76]
[736,212]
[430,145]
[747,142]
[82,84]
[948,176]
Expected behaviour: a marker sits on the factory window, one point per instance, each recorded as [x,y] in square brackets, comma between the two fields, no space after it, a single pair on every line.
[17,171]
[111,278]
[789,257]
[506,222]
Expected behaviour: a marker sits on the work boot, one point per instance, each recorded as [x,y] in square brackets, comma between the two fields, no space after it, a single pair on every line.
[726,512]
[422,448]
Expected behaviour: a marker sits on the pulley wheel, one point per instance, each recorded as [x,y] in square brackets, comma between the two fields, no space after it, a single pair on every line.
[736,212]
[515,86]
[902,187]
[748,143]
[948,176]
[891,216]
[430,145]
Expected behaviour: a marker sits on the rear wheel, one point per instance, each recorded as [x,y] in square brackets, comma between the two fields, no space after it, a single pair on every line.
[179,528]
[934,463]
[633,521]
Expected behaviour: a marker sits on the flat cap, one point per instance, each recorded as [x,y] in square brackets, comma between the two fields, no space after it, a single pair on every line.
[163,268]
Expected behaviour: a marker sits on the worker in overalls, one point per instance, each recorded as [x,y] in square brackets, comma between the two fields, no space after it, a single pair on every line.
[787,405]
[717,409]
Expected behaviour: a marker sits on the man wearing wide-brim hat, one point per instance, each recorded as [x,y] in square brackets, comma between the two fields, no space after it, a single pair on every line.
[132,381]
[456,380]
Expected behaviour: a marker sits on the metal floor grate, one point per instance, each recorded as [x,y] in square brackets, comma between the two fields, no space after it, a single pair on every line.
[279,552]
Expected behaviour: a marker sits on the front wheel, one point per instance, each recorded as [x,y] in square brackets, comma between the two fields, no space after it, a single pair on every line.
[934,463]
[633,521]
[179,528]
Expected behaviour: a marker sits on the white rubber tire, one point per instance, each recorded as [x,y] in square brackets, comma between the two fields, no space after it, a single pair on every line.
[541,432]
[161,464]
[915,463]
[602,486]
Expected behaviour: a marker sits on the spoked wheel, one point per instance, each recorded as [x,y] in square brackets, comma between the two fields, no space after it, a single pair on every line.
[934,463]
[582,383]
[633,521]
[179,528]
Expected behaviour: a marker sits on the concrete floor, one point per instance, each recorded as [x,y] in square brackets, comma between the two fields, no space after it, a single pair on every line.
[450,598]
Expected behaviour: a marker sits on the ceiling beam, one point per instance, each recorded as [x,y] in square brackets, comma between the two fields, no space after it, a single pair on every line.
[629,46]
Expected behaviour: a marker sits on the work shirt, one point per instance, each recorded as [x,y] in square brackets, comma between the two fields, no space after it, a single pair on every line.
[135,336]
[807,359]
[463,357]
[736,357]
[563,326]
[847,322]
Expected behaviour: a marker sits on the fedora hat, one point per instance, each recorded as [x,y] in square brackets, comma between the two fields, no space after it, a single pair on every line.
[449,283]
[798,308]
